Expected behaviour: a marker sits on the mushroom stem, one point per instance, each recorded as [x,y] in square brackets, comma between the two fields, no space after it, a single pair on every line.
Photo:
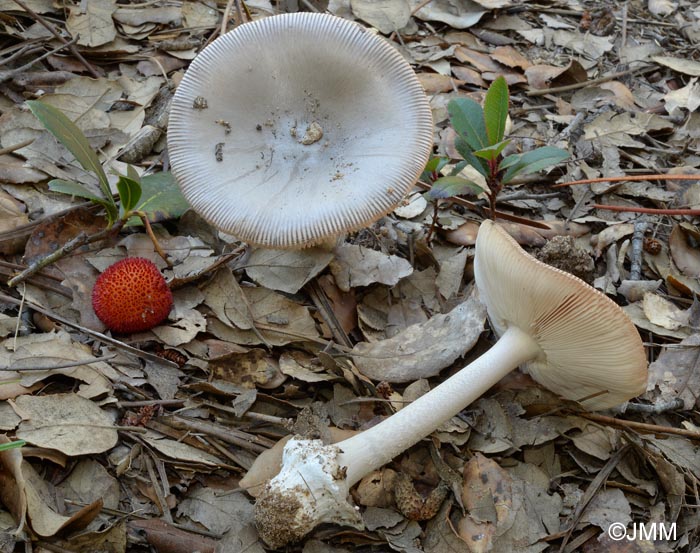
[314,483]
[373,448]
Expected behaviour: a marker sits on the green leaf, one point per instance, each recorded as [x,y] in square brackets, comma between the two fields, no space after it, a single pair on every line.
[467,118]
[129,193]
[73,139]
[434,165]
[445,187]
[457,169]
[535,160]
[161,198]
[492,152]
[132,173]
[496,110]
[468,154]
[509,160]
[12,445]
[74,189]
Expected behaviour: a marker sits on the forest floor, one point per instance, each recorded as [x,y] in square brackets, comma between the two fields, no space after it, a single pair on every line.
[138,442]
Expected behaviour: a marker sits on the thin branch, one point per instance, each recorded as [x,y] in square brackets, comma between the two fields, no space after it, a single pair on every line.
[649,210]
[55,33]
[592,82]
[76,242]
[658,176]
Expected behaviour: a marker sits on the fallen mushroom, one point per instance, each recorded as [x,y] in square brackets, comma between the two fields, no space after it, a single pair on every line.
[570,337]
[294,129]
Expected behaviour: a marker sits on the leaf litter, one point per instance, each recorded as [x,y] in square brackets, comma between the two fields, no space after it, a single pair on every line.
[127,451]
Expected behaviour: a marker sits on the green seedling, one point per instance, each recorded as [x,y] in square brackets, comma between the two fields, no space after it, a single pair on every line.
[481,141]
[141,200]
[155,197]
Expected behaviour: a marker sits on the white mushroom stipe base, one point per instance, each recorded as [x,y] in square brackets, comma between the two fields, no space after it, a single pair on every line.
[296,128]
[573,339]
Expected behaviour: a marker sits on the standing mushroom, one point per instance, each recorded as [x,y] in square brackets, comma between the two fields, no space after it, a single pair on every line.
[296,128]
[570,337]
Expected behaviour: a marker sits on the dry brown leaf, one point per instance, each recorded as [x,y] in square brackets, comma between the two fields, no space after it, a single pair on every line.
[255,368]
[509,56]
[304,367]
[166,537]
[434,82]
[12,483]
[42,511]
[51,350]
[608,506]
[482,62]
[357,266]
[487,497]
[684,251]
[277,320]
[376,489]
[343,304]
[624,97]
[468,76]
[675,375]
[66,422]
[387,17]
[286,270]
[12,215]
[458,14]
[546,76]
[663,313]
[92,22]
[681,65]
[423,350]
[662,7]
[178,450]
[217,510]
[14,170]
[635,311]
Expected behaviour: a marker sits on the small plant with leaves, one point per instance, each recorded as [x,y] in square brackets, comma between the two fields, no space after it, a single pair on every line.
[481,141]
[144,200]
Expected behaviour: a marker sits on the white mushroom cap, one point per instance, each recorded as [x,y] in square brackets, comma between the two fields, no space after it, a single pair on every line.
[588,344]
[296,128]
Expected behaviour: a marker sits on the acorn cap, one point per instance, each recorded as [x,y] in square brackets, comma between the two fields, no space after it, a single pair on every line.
[296,128]
[588,343]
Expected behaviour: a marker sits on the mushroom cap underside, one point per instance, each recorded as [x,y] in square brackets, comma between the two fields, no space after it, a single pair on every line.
[295,128]
[590,348]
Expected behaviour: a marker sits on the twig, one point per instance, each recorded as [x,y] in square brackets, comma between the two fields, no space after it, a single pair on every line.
[640,228]
[320,300]
[420,6]
[149,230]
[591,491]
[499,214]
[649,210]
[61,366]
[8,74]
[657,176]
[226,16]
[592,82]
[642,427]
[73,244]
[623,32]
[24,50]
[92,333]
[55,33]
[254,444]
